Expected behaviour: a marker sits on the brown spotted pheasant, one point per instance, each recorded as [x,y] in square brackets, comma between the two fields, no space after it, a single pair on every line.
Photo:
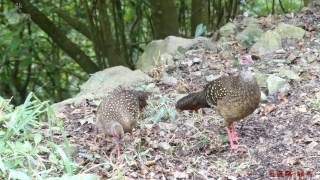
[235,97]
[119,112]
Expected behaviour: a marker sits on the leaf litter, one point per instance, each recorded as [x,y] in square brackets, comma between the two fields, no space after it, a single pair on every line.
[283,133]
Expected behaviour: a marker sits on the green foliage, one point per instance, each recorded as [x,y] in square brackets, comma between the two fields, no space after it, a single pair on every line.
[316,102]
[26,151]
[264,7]
[77,177]
[31,61]
[160,109]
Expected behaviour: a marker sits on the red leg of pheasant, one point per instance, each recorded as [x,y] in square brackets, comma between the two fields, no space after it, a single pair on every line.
[233,139]
[118,150]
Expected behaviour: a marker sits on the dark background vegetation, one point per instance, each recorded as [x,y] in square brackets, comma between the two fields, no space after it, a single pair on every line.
[50,47]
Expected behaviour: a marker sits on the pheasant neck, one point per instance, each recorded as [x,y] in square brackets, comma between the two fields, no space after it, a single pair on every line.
[247,75]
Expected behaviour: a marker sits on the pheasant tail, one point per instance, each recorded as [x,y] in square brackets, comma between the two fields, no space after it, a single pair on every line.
[193,101]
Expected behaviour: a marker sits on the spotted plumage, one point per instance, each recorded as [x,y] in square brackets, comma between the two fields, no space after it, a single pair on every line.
[119,112]
[234,97]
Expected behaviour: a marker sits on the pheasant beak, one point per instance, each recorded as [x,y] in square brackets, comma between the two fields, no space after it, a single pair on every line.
[120,141]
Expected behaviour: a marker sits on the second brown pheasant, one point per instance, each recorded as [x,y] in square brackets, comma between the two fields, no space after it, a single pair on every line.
[119,112]
[235,97]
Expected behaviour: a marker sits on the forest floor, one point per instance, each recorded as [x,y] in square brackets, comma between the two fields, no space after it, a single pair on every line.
[281,138]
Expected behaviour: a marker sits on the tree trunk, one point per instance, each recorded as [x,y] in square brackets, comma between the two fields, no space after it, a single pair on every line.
[164,18]
[199,14]
[235,8]
[282,7]
[273,4]
[119,20]
[75,23]
[115,56]
[58,37]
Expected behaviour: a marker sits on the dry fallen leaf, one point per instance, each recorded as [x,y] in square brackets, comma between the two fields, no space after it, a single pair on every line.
[60,115]
[283,96]
[76,111]
[150,163]
[88,120]
[292,57]
[268,108]
[179,174]
[182,88]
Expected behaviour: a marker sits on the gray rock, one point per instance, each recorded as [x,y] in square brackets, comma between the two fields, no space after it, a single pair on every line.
[290,31]
[314,3]
[212,77]
[249,35]
[196,60]
[312,57]
[269,42]
[280,51]
[316,119]
[171,45]
[280,61]
[170,80]
[303,62]
[167,126]
[248,21]
[188,63]
[311,147]
[212,46]
[227,30]
[263,97]
[261,79]
[164,146]
[196,73]
[290,74]
[106,80]
[166,59]
[276,84]
[103,82]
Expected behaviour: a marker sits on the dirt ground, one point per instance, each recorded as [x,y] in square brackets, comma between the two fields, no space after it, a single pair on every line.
[280,139]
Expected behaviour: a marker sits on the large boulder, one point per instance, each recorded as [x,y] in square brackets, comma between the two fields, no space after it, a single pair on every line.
[276,84]
[226,34]
[102,82]
[248,21]
[161,51]
[290,31]
[228,30]
[249,35]
[261,79]
[269,42]
[288,73]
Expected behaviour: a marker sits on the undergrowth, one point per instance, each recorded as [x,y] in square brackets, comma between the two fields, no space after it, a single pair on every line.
[160,109]
[28,149]
[315,103]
